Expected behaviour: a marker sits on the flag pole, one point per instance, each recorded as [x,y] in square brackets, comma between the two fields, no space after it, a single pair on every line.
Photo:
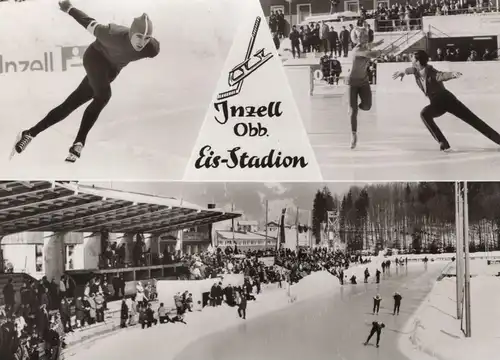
[458,236]
[467,264]
[267,222]
[232,222]
[297,229]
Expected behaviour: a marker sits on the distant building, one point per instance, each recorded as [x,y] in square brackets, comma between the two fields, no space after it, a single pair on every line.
[247,226]
[244,240]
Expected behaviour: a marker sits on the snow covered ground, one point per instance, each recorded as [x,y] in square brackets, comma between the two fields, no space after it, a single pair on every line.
[209,320]
[434,331]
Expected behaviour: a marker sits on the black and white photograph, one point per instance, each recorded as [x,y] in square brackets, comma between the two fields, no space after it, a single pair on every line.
[121,270]
[394,90]
[107,89]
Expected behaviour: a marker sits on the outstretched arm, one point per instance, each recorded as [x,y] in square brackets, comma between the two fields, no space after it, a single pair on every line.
[401,74]
[442,76]
[83,19]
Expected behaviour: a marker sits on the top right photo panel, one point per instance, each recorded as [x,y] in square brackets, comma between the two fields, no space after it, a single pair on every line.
[394,89]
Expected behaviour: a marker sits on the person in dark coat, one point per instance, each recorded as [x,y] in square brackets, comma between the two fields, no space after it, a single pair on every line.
[124,314]
[9,296]
[65,315]
[242,306]
[80,312]
[397,302]
[376,304]
[376,329]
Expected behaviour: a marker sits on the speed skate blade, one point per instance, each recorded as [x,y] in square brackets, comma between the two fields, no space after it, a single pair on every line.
[71,158]
[14,152]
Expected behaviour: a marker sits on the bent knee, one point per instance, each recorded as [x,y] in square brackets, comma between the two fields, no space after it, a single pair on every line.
[102,95]
[365,106]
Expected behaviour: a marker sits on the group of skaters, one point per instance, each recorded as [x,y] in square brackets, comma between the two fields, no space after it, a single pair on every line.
[378,326]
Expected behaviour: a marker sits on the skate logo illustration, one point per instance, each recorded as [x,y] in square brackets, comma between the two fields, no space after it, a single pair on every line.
[72,56]
[252,62]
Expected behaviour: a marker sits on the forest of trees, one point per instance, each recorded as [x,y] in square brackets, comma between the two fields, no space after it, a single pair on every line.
[411,216]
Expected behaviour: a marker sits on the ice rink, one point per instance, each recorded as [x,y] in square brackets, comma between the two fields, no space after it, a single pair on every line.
[329,327]
[149,127]
[393,142]
[326,328]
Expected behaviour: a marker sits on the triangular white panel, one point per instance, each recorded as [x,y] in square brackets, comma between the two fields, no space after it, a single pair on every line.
[253,130]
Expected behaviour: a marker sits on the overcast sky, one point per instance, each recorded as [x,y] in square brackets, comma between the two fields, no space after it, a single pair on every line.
[249,198]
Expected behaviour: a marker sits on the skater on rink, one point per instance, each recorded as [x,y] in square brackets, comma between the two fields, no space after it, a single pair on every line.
[442,101]
[115,47]
[376,329]
[358,80]
[376,304]
[397,302]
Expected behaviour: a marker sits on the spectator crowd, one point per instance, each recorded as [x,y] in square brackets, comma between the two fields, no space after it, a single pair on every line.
[35,328]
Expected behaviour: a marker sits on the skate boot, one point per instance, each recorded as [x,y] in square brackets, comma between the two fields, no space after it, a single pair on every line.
[354,140]
[22,141]
[75,152]
[444,147]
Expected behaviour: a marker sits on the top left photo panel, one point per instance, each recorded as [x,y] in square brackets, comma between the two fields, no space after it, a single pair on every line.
[107,89]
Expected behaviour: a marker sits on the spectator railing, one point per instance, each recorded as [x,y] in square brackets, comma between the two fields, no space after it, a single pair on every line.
[463,11]
[398,25]
[396,44]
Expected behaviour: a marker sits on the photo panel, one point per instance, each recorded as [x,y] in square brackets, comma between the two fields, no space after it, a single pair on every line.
[219,269]
[108,89]
[386,136]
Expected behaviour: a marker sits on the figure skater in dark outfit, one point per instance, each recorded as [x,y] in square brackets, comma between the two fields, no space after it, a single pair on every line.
[430,81]
[115,46]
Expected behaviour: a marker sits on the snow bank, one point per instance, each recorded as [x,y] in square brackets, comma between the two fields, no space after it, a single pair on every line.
[323,283]
[434,331]
[314,285]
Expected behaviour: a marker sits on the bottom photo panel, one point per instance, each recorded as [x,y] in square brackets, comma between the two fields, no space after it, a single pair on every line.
[225,271]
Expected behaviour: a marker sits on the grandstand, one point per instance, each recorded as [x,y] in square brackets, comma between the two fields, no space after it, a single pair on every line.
[55,228]
[468,28]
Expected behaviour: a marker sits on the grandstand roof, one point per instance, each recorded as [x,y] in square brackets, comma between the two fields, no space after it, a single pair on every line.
[61,206]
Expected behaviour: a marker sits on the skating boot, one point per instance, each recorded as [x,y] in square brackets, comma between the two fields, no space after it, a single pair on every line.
[354,140]
[444,147]
[74,152]
[22,141]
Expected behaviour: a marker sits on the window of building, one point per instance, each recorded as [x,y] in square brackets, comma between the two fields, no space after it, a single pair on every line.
[39,258]
[303,12]
[351,6]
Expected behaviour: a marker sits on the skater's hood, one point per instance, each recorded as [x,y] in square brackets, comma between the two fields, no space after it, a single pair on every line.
[142,25]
